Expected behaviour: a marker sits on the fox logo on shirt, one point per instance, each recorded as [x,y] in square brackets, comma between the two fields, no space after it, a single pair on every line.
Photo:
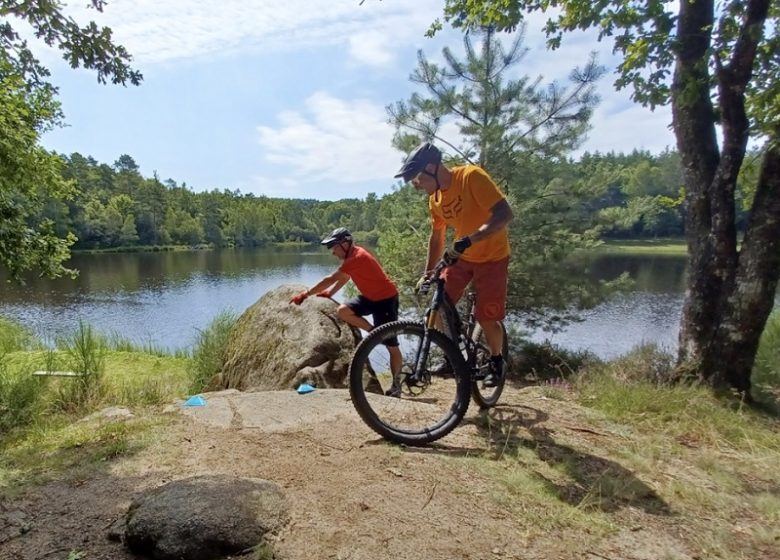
[453,209]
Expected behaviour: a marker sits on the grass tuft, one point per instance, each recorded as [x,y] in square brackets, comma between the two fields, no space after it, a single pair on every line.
[209,354]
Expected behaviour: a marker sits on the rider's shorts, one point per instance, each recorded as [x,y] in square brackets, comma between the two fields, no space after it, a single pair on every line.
[489,279]
[383,311]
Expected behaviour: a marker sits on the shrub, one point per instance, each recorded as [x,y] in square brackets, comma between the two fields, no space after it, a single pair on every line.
[544,361]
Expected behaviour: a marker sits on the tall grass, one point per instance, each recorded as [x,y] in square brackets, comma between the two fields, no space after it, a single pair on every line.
[209,354]
[15,337]
[20,397]
[123,344]
[634,389]
[85,353]
[20,392]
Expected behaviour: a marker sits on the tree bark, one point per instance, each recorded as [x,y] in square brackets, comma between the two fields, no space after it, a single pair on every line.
[730,292]
[750,301]
[694,125]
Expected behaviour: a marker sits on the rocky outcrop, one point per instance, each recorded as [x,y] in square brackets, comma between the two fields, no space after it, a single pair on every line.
[203,518]
[278,345]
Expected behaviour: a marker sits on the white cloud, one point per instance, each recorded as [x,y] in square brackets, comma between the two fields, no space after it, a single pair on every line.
[155,31]
[344,145]
[333,140]
[621,125]
[369,48]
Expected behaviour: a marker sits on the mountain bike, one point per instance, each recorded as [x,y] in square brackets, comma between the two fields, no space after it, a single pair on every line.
[418,406]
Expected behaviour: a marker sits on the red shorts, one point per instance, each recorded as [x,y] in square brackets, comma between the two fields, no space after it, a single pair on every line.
[489,278]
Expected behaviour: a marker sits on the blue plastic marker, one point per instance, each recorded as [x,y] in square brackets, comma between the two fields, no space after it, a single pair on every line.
[304,388]
[196,400]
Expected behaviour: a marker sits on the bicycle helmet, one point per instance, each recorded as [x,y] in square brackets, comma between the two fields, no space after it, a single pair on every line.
[337,236]
[416,161]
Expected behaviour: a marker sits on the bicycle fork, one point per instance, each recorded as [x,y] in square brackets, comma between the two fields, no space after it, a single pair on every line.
[420,377]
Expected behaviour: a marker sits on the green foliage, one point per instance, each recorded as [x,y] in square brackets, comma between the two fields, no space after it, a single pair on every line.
[404,226]
[520,133]
[29,177]
[88,46]
[209,354]
[766,369]
[33,236]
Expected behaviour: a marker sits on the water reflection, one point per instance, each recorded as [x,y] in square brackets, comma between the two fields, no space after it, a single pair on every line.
[650,312]
[165,298]
[162,298]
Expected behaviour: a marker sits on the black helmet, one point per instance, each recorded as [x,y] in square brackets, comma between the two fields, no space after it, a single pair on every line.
[416,161]
[337,236]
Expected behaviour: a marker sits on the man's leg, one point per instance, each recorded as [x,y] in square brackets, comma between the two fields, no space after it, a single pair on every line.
[490,283]
[348,315]
[494,335]
[396,360]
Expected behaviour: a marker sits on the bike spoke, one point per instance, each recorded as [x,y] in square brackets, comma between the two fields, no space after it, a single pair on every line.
[414,406]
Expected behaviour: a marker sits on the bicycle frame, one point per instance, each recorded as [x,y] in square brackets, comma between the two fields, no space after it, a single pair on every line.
[460,330]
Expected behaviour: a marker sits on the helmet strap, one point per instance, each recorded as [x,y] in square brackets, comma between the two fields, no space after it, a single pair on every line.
[435,175]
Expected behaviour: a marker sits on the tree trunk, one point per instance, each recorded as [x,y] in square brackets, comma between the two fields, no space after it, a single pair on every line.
[750,300]
[694,125]
[730,293]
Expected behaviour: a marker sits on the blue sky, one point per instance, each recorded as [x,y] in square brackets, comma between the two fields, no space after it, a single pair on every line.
[287,98]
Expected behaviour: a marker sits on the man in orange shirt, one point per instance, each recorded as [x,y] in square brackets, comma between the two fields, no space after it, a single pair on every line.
[378,294]
[467,199]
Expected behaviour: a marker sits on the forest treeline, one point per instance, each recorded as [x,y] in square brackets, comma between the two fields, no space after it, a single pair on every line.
[636,195]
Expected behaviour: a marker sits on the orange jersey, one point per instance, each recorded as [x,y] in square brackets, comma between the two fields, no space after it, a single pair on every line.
[465,206]
[368,275]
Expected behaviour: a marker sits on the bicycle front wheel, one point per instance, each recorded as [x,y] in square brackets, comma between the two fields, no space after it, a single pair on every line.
[414,406]
[487,397]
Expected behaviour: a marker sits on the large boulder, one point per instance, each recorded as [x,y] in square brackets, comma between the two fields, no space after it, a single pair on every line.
[203,518]
[277,345]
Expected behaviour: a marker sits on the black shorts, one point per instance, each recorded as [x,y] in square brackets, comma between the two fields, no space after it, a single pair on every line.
[383,311]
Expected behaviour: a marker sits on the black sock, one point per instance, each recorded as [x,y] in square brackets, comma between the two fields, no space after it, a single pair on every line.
[497,361]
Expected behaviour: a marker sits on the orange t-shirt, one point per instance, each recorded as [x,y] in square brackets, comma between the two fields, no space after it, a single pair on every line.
[368,275]
[466,206]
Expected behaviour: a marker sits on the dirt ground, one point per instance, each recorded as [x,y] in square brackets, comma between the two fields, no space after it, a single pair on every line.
[354,496]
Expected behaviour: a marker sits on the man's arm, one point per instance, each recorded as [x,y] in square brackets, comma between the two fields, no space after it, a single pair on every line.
[435,247]
[338,285]
[338,278]
[500,215]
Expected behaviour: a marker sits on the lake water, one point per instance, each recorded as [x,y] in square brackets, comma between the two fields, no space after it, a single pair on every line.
[165,298]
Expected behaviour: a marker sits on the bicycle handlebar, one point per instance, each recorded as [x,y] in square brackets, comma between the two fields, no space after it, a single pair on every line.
[444,262]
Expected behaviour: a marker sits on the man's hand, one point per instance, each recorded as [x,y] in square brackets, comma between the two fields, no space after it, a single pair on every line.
[298,298]
[462,244]
[450,256]
[423,284]
[324,293]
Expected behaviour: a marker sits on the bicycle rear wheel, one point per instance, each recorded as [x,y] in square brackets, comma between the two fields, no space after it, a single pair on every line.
[487,397]
[428,406]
